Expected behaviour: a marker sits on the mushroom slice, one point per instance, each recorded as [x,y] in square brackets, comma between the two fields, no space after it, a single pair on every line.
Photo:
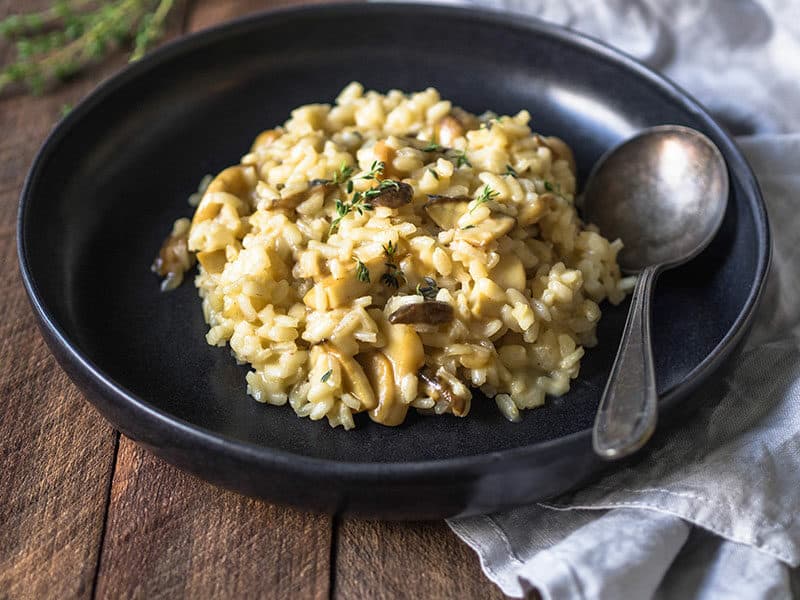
[560,150]
[292,201]
[392,194]
[448,129]
[174,257]
[386,154]
[389,411]
[467,119]
[354,380]
[445,211]
[509,272]
[430,312]
[438,387]
[487,231]
[265,138]
[238,180]
[389,367]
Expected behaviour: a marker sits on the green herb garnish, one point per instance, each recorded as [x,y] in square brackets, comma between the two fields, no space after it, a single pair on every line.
[383,185]
[375,170]
[432,147]
[487,194]
[511,171]
[389,249]
[326,376]
[358,204]
[392,276]
[343,174]
[55,43]
[362,272]
[434,174]
[429,290]
[548,186]
[461,159]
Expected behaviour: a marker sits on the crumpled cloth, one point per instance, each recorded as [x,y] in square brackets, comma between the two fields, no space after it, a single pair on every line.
[713,509]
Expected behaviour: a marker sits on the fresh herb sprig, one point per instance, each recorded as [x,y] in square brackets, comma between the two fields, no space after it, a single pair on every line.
[429,290]
[362,272]
[361,200]
[392,277]
[343,174]
[376,170]
[383,185]
[58,42]
[486,194]
[326,376]
[511,171]
[358,204]
[461,159]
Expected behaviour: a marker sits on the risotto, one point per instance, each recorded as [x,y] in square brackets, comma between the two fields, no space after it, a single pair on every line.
[392,252]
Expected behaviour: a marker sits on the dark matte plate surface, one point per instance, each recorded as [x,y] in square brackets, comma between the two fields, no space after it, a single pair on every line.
[114,174]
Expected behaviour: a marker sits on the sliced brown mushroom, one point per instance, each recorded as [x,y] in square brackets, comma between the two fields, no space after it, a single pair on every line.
[354,380]
[560,150]
[385,153]
[237,180]
[509,273]
[265,138]
[448,129]
[487,231]
[467,119]
[315,186]
[395,195]
[445,211]
[531,212]
[174,257]
[429,312]
[440,389]
[389,411]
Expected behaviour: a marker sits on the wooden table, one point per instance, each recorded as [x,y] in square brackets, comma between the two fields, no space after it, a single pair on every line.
[84,512]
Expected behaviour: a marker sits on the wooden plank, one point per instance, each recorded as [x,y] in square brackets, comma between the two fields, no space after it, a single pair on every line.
[208,13]
[57,453]
[170,535]
[377,560]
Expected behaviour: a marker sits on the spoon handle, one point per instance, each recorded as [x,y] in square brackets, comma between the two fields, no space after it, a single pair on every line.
[628,409]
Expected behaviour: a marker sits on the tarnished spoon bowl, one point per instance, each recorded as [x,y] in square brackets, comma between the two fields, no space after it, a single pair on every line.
[663,192]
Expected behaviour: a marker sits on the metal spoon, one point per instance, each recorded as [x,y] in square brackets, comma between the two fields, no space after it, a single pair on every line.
[663,192]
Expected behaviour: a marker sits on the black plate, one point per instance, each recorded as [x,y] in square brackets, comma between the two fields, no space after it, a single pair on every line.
[114,174]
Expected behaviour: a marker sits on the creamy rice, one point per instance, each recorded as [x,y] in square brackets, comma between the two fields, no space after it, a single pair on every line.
[392,251]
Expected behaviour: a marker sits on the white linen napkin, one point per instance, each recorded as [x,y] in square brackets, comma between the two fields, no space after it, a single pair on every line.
[712,510]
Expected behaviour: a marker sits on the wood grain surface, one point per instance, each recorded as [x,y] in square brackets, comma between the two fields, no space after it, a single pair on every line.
[87,513]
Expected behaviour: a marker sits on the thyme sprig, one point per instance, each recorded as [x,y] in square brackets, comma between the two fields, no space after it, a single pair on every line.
[58,42]
[461,159]
[383,185]
[343,174]
[362,272]
[511,171]
[392,277]
[358,204]
[375,170]
[486,194]
[429,290]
